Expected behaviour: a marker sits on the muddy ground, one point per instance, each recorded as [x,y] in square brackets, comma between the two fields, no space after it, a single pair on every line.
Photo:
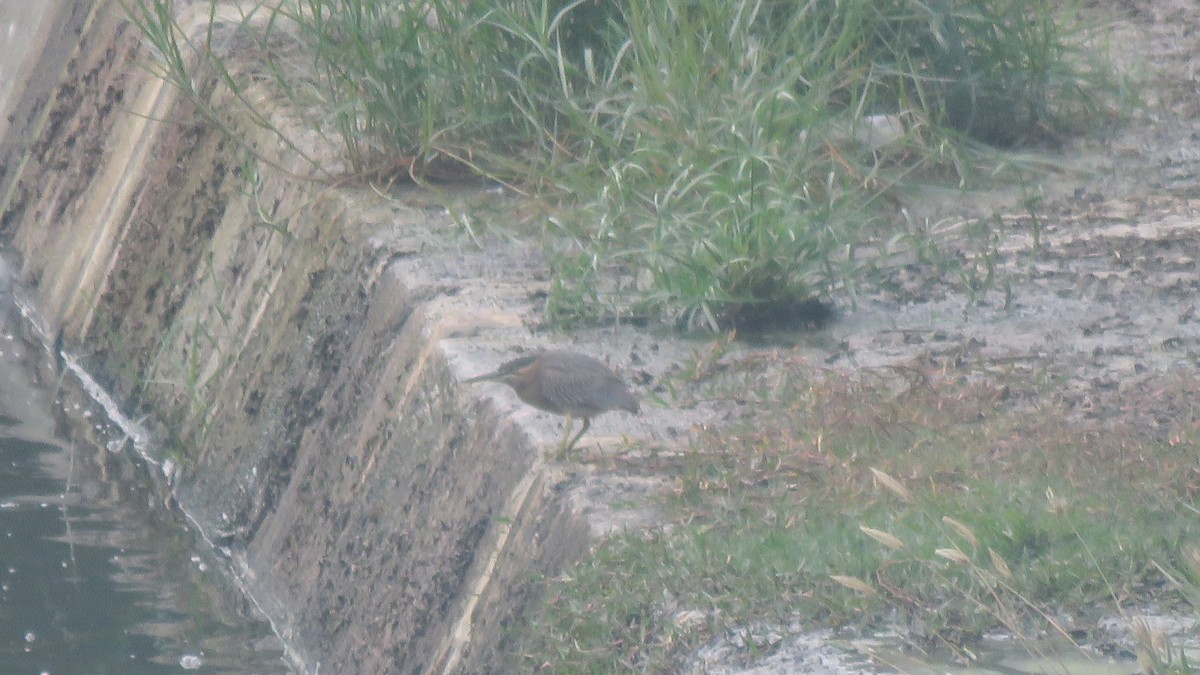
[1101,288]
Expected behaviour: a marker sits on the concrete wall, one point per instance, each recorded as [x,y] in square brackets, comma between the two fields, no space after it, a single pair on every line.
[36,41]
[298,347]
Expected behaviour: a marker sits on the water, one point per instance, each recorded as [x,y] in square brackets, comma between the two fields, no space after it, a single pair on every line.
[97,575]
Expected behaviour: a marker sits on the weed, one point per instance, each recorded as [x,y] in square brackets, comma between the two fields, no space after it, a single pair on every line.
[708,164]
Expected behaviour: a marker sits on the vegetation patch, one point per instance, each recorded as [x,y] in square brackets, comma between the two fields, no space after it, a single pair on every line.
[941,508]
[704,164]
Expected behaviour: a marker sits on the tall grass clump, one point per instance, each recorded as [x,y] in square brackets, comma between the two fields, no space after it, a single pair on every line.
[425,90]
[751,141]
[702,162]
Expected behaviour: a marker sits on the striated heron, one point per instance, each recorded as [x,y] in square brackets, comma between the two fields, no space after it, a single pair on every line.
[565,383]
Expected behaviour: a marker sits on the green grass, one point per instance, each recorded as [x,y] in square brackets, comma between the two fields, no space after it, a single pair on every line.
[984,512]
[697,163]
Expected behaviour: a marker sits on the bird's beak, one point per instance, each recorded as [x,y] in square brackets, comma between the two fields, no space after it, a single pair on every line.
[482,378]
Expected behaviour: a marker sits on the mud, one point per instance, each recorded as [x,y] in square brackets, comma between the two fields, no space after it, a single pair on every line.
[1100,289]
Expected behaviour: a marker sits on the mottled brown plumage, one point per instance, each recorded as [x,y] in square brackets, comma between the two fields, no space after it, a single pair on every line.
[565,383]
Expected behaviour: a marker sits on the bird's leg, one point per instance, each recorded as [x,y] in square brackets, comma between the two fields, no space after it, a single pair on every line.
[587,423]
[563,446]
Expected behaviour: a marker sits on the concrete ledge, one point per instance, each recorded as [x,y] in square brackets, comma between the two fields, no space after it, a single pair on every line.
[300,348]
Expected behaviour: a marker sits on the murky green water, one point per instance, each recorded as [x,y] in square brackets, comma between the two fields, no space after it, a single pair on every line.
[96,574]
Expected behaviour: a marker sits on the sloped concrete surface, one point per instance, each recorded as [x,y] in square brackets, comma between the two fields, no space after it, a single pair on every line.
[298,350]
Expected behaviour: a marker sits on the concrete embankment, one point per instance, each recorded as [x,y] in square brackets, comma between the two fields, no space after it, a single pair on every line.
[299,349]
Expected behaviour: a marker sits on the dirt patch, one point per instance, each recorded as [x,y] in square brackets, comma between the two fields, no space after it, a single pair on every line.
[1099,288]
